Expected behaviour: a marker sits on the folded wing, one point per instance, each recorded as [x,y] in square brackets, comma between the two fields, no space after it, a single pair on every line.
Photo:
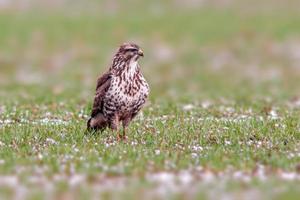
[103,83]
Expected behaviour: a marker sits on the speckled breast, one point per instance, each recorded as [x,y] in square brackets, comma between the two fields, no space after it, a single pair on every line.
[125,96]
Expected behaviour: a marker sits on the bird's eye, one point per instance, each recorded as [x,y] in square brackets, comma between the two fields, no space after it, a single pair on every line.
[132,50]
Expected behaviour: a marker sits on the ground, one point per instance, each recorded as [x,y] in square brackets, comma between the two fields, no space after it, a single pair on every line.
[222,121]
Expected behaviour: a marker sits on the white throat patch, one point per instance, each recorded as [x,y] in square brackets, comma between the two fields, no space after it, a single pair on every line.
[132,68]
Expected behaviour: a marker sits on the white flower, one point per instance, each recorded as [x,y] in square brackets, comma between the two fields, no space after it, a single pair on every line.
[194,155]
[157,152]
[187,107]
[51,141]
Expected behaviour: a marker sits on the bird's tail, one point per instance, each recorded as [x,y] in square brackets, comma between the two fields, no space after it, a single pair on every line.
[88,124]
[98,122]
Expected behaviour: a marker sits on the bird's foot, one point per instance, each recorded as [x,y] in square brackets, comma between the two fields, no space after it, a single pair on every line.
[124,138]
[121,138]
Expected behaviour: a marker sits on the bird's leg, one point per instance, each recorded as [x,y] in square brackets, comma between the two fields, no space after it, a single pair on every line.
[124,133]
[115,126]
[125,123]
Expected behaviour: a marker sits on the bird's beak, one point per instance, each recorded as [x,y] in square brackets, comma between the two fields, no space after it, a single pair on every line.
[141,53]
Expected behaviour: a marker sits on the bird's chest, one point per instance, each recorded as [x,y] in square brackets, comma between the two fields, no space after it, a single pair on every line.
[127,94]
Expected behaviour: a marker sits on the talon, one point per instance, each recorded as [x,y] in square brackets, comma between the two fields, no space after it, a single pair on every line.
[119,138]
[124,138]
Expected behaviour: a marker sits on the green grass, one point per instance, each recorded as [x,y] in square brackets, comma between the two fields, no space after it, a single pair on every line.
[222,102]
[171,131]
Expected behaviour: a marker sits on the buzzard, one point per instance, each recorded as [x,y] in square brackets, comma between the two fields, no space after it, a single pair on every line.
[121,92]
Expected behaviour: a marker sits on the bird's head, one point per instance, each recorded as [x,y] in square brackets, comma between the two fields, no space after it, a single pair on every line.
[130,51]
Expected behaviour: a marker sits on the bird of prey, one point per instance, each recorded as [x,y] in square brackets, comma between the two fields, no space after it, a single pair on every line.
[121,92]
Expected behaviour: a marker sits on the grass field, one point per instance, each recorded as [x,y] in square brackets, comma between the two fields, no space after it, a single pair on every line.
[222,121]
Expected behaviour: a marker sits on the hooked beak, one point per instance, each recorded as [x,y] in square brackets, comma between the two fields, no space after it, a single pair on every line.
[141,53]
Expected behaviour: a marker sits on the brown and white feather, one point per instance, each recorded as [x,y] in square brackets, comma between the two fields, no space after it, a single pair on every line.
[121,92]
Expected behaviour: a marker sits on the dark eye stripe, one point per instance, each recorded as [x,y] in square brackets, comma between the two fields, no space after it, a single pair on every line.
[132,50]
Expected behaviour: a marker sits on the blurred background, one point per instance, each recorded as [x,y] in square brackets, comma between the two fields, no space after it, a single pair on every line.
[194,49]
[223,119]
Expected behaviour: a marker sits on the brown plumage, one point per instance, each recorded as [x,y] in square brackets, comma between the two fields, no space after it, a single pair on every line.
[120,93]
